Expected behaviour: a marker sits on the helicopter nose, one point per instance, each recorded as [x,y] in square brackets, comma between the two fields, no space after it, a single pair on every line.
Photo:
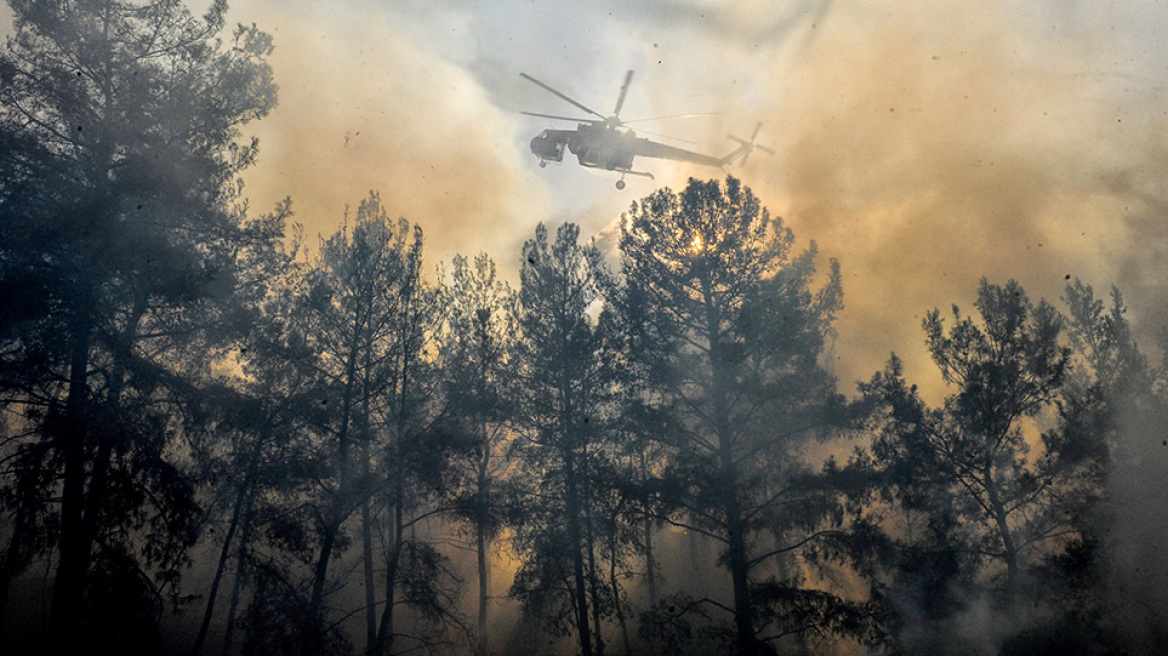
[547,148]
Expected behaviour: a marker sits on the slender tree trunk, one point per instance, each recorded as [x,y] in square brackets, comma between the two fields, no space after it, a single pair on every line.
[572,506]
[237,512]
[650,563]
[314,623]
[313,639]
[385,632]
[403,372]
[74,539]
[370,590]
[72,566]
[1003,525]
[650,558]
[593,576]
[736,557]
[616,594]
[366,507]
[483,547]
[95,496]
[482,537]
[237,584]
[740,576]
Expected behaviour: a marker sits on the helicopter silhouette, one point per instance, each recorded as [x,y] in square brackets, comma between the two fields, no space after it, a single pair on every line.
[600,143]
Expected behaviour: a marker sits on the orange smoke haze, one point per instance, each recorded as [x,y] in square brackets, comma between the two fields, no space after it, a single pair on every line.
[929,146]
[362,108]
[924,144]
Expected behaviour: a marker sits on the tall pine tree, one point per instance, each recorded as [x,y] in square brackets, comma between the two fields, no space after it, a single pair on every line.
[731,337]
[120,241]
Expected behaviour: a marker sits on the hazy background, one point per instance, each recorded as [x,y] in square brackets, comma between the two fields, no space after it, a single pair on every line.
[925,144]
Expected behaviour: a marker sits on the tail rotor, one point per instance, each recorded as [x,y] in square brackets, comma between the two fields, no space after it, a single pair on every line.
[747,146]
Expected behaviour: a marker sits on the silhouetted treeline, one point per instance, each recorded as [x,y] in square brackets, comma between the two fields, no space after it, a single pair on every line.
[215,440]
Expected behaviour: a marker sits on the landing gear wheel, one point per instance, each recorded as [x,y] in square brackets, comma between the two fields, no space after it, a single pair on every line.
[620,184]
[543,163]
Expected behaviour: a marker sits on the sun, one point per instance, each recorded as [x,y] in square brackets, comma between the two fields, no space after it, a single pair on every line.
[697,244]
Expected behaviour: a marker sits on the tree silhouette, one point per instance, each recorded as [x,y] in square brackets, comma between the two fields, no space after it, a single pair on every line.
[121,246]
[996,481]
[478,366]
[1111,417]
[565,403]
[1006,371]
[731,340]
[349,312]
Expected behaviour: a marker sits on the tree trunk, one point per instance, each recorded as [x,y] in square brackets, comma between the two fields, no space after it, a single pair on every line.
[593,577]
[650,559]
[650,563]
[483,545]
[72,565]
[313,639]
[616,596]
[740,576]
[482,537]
[366,510]
[241,500]
[95,496]
[237,584]
[370,590]
[1011,550]
[736,558]
[385,633]
[314,624]
[572,506]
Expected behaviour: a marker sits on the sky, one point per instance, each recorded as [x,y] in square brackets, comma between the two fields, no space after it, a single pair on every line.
[923,143]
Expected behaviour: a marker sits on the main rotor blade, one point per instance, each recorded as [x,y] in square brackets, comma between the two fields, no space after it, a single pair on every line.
[624,90]
[665,136]
[560,95]
[669,118]
[754,134]
[562,118]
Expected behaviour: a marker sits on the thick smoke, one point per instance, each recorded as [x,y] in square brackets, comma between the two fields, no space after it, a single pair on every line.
[924,144]
[927,146]
[363,106]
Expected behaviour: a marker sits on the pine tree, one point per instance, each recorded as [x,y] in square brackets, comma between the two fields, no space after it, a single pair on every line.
[731,337]
[478,361]
[120,244]
[565,407]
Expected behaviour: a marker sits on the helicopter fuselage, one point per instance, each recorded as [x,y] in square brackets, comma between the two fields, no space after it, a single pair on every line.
[595,146]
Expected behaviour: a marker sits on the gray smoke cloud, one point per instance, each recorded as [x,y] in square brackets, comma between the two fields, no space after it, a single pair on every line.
[923,144]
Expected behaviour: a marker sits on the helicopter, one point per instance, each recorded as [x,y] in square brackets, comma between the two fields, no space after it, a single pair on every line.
[601,144]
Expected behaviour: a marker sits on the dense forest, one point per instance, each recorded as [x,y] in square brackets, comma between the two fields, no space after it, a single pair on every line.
[219,437]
